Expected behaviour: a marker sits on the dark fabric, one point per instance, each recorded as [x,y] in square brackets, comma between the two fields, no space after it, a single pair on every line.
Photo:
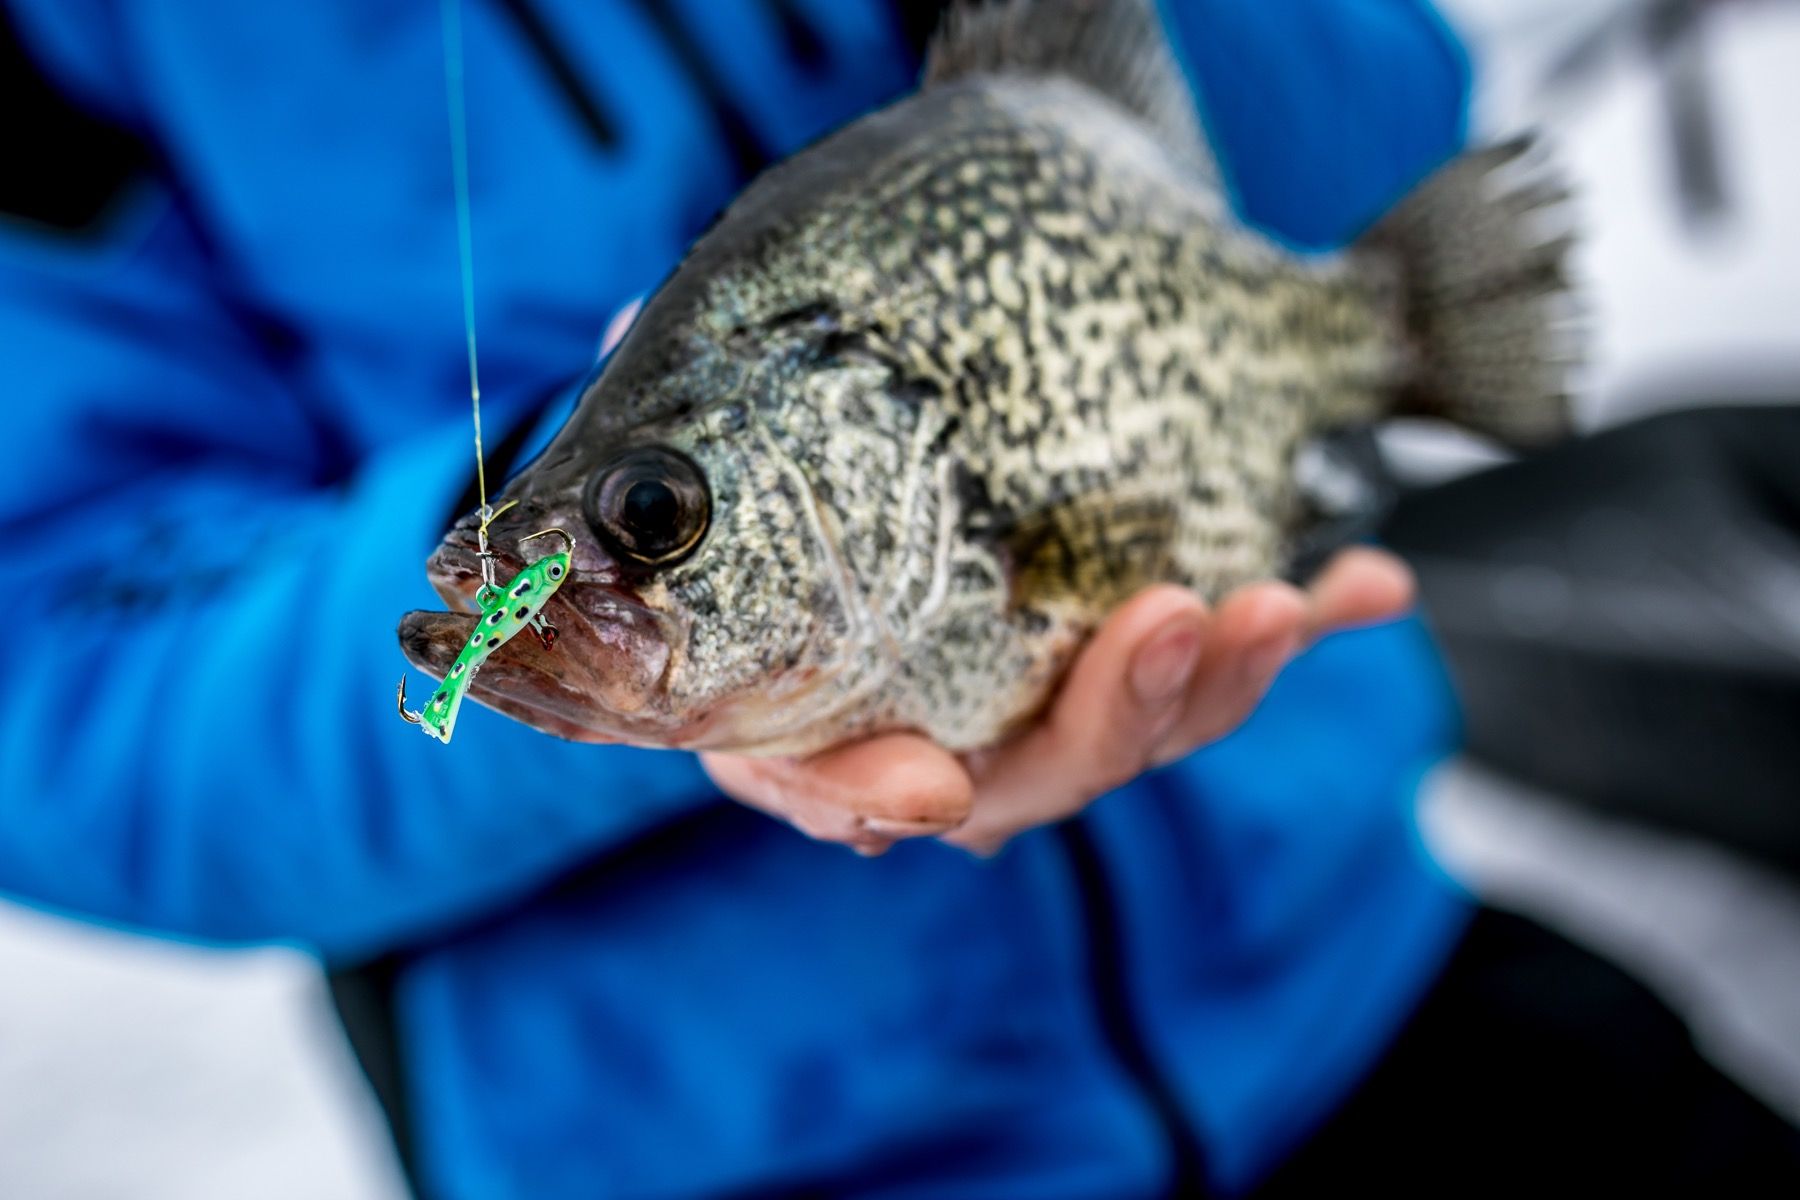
[1537,1068]
[364,1001]
[1108,975]
[61,166]
[1612,612]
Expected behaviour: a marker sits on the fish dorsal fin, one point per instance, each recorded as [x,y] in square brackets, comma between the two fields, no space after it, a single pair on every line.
[1116,47]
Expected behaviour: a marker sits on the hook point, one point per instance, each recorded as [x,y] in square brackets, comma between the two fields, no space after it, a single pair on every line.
[400,703]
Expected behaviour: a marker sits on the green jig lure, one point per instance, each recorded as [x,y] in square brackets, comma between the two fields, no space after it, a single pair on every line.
[505,612]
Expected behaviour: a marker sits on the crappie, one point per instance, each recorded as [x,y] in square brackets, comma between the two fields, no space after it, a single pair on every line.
[936,394]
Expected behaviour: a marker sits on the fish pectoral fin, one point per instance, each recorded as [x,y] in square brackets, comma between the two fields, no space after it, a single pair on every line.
[1094,546]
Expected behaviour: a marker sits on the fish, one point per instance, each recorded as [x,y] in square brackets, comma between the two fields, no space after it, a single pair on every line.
[937,393]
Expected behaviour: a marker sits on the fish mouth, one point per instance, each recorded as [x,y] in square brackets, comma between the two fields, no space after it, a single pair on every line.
[603,680]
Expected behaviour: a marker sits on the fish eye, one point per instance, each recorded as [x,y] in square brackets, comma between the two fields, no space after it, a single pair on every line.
[650,504]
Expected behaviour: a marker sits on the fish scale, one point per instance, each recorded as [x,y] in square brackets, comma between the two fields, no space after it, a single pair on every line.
[1074,282]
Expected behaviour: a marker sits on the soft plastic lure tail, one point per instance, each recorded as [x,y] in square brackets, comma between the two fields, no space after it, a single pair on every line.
[505,612]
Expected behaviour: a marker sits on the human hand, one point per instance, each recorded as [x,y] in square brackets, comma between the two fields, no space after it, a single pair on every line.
[1161,678]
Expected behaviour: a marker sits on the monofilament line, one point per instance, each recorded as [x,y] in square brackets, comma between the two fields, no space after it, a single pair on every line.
[465,245]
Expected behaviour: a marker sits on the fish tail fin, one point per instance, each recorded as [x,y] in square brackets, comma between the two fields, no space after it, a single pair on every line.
[1482,248]
[1116,47]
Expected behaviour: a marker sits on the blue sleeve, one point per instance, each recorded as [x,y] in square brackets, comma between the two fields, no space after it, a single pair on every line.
[1323,113]
[197,731]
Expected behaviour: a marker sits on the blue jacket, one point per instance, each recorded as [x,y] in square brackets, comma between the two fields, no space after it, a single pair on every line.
[236,421]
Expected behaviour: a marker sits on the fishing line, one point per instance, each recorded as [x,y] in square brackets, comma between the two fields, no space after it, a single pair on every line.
[451,11]
[520,606]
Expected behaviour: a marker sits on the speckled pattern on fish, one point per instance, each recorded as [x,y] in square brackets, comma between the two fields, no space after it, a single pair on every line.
[957,380]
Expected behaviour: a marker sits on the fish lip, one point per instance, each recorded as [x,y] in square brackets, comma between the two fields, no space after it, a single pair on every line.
[536,704]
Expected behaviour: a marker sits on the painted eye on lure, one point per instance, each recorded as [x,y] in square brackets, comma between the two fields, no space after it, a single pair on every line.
[506,611]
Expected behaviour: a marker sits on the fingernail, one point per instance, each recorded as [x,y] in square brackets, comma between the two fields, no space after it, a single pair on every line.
[1264,661]
[906,829]
[1160,671]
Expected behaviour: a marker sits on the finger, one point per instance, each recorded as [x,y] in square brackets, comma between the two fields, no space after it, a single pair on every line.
[763,785]
[1359,586]
[1255,632]
[867,794]
[1121,696]
[1261,627]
